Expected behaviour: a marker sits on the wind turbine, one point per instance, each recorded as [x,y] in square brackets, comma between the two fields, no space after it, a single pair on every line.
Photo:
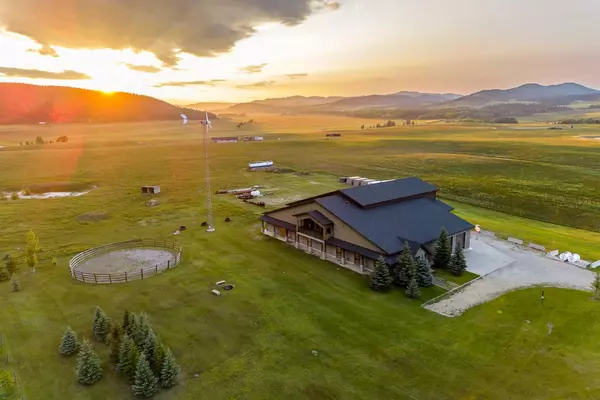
[209,211]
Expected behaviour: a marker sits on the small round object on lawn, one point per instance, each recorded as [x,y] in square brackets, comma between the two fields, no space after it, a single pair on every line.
[228,287]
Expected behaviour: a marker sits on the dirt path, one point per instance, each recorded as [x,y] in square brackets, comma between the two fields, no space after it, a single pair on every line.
[528,268]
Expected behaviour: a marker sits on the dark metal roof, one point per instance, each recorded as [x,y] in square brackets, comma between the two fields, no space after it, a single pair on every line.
[317,216]
[353,247]
[278,222]
[417,221]
[398,189]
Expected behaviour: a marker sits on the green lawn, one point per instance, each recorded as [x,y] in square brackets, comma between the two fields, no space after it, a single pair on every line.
[460,280]
[257,341]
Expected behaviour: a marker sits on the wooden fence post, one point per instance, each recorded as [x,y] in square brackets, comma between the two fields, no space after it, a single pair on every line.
[95,278]
[83,277]
[109,278]
[125,276]
[142,272]
[168,264]
[156,269]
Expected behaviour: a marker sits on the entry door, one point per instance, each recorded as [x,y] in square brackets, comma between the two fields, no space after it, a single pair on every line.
[282,232]
[338,253]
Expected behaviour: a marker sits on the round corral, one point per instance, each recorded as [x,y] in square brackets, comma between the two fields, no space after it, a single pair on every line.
[125,261]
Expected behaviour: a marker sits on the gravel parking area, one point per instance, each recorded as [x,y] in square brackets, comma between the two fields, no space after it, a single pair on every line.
[517,268]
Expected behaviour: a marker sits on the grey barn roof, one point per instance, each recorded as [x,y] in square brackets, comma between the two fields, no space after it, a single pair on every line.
[417,221]
[370,195]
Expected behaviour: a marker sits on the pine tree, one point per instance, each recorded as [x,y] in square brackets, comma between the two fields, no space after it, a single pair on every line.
[145,383]
[596,285]
[69,343]
[125,323]
[115,343]
[458,264]
[139,329]
[413,291]
[160,355]
[424,273]
[133,321]
[150,350]
[145,327]
[88,370]
[128,357]
[443,251]
[169,374]
[381,278]
[100,325]
[405,266]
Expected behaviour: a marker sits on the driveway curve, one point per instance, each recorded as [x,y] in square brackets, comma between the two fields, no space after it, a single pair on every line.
[520,268]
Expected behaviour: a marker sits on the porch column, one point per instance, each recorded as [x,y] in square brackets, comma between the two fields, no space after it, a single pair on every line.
[309,247]
[324,250]
[262,226]
[343,257]
[362,264]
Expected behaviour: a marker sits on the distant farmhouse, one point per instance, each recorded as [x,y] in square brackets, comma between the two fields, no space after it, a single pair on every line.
[230,139]
[353,227]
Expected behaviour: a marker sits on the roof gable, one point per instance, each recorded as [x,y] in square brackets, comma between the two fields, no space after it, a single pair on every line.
[387,192]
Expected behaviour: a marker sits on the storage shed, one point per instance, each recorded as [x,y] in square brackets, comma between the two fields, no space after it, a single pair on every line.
[150,189]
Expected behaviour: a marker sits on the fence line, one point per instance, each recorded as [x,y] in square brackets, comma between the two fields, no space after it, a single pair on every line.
[122,277]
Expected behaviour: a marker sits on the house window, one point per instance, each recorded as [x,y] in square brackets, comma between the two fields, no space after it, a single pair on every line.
[329,231]
[338,253]
[356,258]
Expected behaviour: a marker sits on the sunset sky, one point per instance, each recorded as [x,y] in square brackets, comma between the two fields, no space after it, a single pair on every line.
[237,50]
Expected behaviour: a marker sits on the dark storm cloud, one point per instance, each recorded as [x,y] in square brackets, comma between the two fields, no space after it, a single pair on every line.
[143,68]
[190,83]
[37,74]
[256,85]
[45,50]
[296,76]
[164,27]
[253,69]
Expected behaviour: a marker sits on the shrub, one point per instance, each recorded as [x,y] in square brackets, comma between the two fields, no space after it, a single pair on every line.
[381,278]
[39,140]
[54,261]
[26,192]
[169,374]
[4,274]
[15,285]
[69,343]
[88,369]
[14,196]
[145,383]
[11,265]
[596,285]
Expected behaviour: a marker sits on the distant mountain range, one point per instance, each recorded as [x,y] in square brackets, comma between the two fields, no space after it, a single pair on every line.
[24,103]
[531,92]
[527,99]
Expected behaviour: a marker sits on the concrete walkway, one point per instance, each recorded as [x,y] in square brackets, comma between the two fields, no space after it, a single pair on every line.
[510,268]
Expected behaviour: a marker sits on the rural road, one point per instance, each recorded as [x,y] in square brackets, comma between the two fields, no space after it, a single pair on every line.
[508,268]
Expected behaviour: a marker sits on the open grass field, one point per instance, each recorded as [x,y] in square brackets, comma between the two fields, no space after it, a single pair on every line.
[257,341]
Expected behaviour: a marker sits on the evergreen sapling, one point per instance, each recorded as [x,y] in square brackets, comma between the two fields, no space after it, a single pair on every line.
[405,266]
[413,291]
[424,273]
[443,251]
[458,264]
[88,369]
[169,374]
[69,343]
[381,279]
[145,383]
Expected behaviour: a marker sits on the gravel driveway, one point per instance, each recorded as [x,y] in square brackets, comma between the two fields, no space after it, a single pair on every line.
[527,268]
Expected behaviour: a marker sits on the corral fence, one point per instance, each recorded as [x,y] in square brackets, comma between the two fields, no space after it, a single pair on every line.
[122,277]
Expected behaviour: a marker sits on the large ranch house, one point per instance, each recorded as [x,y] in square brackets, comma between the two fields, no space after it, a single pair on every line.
[353,227]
